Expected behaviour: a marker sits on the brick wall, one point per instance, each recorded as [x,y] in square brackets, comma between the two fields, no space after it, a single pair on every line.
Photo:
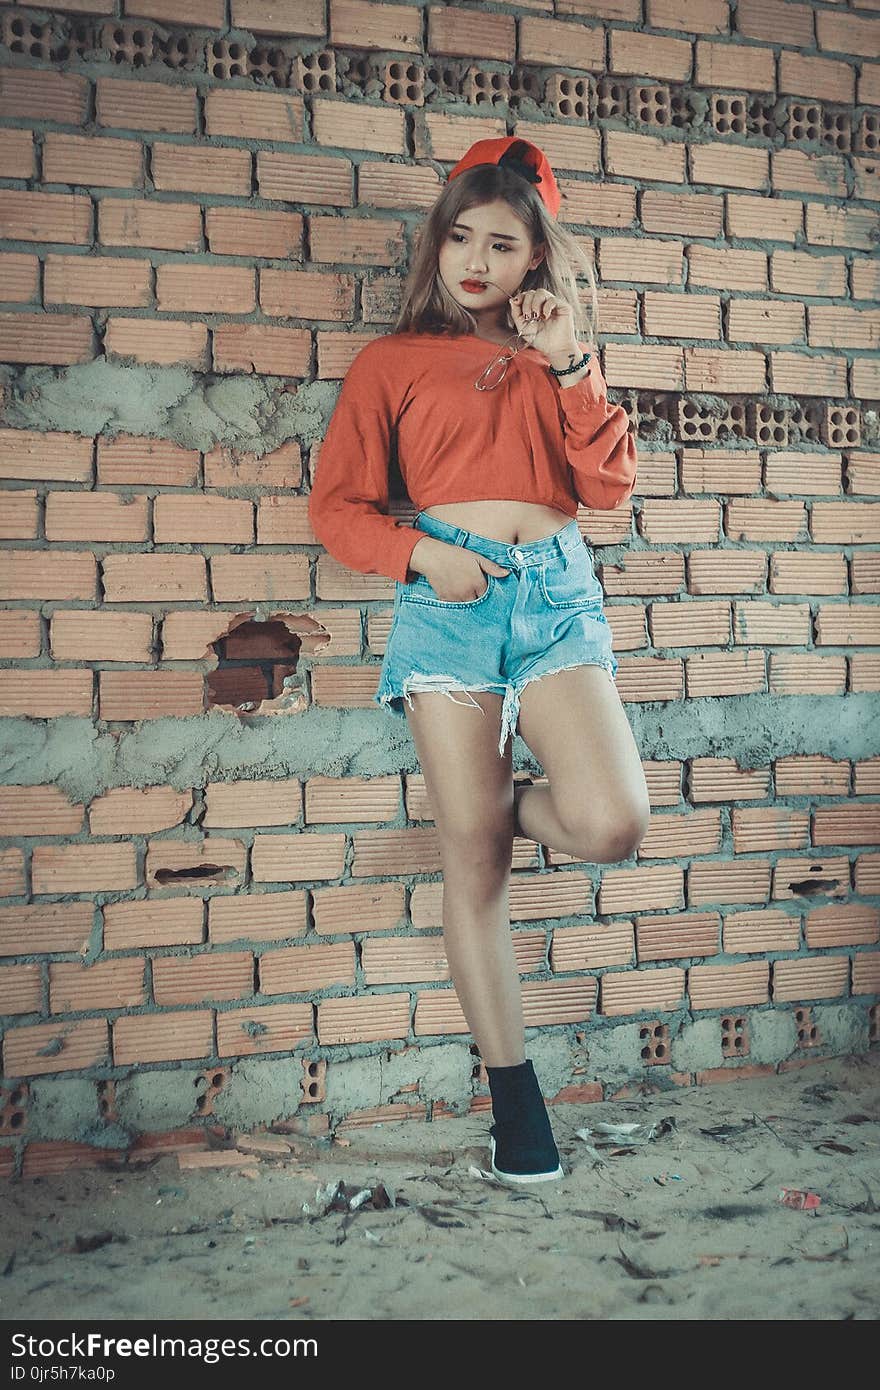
[221,884]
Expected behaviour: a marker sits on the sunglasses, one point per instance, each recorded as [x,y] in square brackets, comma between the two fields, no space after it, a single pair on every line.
[496,371]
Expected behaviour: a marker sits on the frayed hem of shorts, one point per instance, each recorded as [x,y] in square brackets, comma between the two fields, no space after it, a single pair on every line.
[445,685]
[606,665]
[510,709]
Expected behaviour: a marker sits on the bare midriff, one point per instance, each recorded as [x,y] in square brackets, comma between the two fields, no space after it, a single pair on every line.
[514,523]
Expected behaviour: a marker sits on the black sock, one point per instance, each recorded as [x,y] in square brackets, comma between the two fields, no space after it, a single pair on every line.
[517,1098]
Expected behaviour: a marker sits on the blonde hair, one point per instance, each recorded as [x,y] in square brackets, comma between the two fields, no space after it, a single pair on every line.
[426,304]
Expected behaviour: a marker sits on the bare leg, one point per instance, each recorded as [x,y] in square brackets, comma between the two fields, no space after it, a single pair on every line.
[596,806]
[469,788]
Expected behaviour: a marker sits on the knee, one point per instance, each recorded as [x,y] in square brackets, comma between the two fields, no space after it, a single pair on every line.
[472,847]
[613,837]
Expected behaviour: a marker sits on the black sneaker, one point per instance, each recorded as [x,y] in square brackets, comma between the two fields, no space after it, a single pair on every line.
[520,1161]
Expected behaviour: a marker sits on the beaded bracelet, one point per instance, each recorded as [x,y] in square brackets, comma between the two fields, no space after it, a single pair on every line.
[566,371]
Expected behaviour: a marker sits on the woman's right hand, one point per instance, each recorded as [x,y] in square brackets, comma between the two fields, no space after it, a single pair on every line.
[455,574]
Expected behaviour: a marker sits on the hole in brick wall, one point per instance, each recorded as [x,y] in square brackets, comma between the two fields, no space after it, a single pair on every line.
[817,887]
[684,112]
[359,71]
[733,422]
[572,97]
[807,422]
[761,118]
[729,115]
[316,71]
[447,80]
[215,872]
[842,427]
[837,130]
[650,105]
[611,98]
[402,81]
[804,121]
[255,659]
[869,133]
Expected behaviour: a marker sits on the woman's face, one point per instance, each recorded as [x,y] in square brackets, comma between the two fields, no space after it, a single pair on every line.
[490,246]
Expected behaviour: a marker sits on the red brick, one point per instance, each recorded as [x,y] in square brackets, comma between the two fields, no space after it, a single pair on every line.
[179,1035]
[40,810]
[95,516]
[839,325]
[743,67]
[97,280]
[796,171]
[664,314]
[108,984]
[820,79]
[711,369]
[799,272]
[471,34]
[137,695]
[154,105]
[628,10]
[42,694]
[20,516]
[50,456]
[776,21]
[39,1049]
[198,979]
[690,214]
[647,366]
[19,633]
[42,574]
[723,267]
[838,226]
[79,635]
[544,41]
[869,85]
[815,374]
[631,155]
[733,166]
[693,16]
[202,520]
[650,55]
[641,259]
[848,33]
[28,216]
[367,24]
[132,578]
[765,321]
[763,218]
[84,868]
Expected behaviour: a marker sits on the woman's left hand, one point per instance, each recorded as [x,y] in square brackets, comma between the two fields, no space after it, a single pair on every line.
[545,321]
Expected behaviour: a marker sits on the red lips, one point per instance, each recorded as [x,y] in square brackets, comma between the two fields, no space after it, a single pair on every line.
[473,285]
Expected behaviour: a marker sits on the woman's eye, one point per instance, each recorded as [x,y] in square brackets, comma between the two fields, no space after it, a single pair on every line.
[457,236]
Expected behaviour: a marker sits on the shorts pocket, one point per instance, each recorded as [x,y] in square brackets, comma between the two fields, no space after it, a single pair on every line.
[571,585]
[421,591]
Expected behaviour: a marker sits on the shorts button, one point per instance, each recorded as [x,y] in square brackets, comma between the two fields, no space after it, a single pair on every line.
[518,555]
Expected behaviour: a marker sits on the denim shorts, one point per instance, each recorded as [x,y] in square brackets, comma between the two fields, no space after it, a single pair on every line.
[544,615]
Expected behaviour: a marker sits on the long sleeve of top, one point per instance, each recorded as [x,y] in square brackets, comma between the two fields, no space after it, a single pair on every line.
[599,445]
[530,439]
[348,503]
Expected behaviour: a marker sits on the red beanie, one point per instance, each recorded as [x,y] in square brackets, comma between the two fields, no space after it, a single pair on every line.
[523,157]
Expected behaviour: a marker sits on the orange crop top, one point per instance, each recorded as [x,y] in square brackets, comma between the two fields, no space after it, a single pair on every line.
[528,440]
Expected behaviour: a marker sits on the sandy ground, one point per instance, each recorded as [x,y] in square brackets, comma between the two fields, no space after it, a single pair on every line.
[684,1224]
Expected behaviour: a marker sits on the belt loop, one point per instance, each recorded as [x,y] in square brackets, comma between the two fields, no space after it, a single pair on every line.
[461,536]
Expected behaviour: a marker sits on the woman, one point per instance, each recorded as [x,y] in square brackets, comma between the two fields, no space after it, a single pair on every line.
[502,426]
